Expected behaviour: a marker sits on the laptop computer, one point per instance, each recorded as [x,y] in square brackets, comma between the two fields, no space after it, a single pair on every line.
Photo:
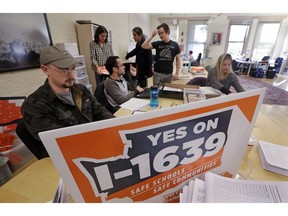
[162,93]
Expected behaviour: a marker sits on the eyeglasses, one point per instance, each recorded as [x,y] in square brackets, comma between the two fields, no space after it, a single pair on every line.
[121,65]
[65,70]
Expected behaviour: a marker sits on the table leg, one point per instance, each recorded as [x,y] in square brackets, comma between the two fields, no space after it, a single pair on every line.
[249,68]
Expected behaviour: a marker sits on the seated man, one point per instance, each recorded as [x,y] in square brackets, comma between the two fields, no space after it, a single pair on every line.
[117,89]
[60,102]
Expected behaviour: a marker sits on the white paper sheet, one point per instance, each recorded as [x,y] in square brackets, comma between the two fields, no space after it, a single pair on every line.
[135,104]
[219,189]
[275,155]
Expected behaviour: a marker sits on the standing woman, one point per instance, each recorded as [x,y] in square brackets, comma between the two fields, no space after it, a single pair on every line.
[222,76]
[100,50]
[143,58]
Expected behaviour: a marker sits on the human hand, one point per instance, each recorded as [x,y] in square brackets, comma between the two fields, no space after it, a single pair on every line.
[175,76]
[133,70]
[155,32]
[139,89]
[102,70]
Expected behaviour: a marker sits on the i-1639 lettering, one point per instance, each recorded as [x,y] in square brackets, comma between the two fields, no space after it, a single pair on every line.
[156,149]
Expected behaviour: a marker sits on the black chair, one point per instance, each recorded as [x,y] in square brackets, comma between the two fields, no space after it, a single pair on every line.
[236,67]
[197,61]
[35,146]
[264,64]
[274,68]
[277,65]
[101,98]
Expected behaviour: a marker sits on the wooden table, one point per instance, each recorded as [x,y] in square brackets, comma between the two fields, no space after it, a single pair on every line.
[271,126]
[38,182]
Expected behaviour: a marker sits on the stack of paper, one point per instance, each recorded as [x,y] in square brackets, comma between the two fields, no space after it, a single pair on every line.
[274,157]
[61,195]
[219,189]
[135,104]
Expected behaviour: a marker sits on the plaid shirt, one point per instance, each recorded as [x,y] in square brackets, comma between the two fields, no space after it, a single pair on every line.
[100,54]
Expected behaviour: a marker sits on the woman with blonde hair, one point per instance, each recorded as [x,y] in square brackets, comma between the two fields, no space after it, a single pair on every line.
[222,77]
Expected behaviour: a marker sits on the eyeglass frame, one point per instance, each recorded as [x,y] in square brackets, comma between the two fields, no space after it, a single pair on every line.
[64,71]
[118,66]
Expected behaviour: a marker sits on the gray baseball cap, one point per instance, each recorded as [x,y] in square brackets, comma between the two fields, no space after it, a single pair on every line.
[58,56]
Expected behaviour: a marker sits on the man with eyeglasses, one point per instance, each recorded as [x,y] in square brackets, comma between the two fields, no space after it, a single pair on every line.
[117,89]
[60,102]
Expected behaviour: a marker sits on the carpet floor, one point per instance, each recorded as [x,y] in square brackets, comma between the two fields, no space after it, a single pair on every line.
[273,94]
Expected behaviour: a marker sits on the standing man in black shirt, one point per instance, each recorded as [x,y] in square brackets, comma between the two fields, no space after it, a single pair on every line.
[166,51]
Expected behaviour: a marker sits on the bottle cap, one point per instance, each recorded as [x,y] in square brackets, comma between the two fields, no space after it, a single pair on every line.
[154,87]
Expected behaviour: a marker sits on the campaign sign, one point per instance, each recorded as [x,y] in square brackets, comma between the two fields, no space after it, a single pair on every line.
[149,157]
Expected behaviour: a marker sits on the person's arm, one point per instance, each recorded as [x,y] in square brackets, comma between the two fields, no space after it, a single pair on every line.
[130,54]
[147,44]
[132,85]
[93,56]
[178,65]
[236,85]
[113,91]
[213,81]
[99,112]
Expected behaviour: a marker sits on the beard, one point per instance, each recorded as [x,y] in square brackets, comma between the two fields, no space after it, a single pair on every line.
[68,83]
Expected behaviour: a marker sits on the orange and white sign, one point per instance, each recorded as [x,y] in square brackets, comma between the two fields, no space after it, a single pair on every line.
[149,157]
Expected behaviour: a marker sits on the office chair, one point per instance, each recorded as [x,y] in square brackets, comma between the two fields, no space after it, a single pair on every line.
[277,65]
[272,70]
[197,61]
[263,64]
[101,97]
[35,146]
[265,58]
[235,67]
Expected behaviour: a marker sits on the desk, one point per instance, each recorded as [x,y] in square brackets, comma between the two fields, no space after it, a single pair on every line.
[38,182]
[271,126]
[250,63]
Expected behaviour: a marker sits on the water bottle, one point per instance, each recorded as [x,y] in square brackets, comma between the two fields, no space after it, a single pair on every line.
[189,67]
[154,93]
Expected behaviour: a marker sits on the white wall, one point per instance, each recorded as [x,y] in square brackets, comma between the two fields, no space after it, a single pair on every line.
[62,27]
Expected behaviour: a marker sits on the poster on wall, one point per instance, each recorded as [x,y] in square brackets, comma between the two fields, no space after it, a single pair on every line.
[216,38]
[22,37]
[149,157]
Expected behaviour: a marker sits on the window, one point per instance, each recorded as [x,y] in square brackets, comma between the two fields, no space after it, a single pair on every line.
[265,40]
[237,40]
[197,36]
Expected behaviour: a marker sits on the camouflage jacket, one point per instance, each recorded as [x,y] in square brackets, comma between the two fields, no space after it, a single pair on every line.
[43,110]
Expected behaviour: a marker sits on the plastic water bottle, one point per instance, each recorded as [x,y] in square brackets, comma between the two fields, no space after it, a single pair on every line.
[154,93]
[189,67]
